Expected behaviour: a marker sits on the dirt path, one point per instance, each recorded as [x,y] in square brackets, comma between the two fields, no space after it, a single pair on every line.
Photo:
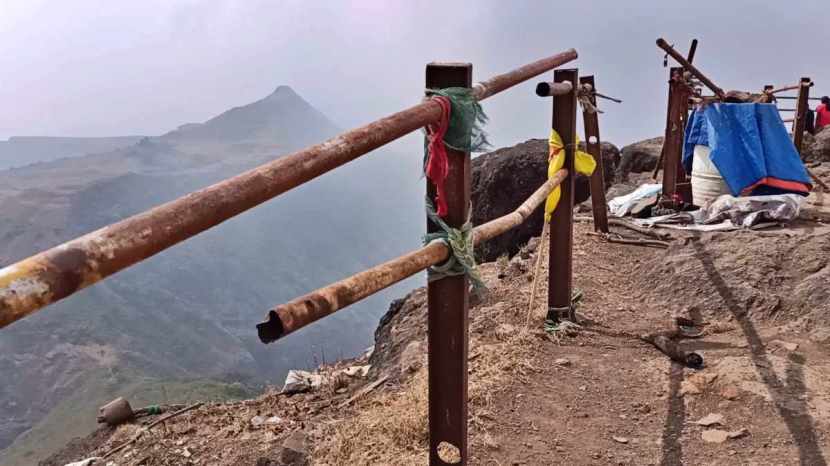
[602,400]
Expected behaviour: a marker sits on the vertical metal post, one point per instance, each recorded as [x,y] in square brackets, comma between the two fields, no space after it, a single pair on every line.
[594,146]
[560,276]
[673,172]
[801,108]
[448,299]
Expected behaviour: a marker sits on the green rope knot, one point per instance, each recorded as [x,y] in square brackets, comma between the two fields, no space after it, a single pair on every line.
[567,312]
[465,132]
[460,243]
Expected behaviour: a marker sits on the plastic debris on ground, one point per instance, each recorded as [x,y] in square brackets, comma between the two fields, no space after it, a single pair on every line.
[301,381]
[87,462]
[733,213]
[620,206]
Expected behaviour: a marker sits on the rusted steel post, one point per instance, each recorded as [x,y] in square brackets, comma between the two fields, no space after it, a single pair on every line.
[65,269]
[691,68]
[594,146]
[297,313]
[560,262]
[801,109]
[673,171]
[448,299]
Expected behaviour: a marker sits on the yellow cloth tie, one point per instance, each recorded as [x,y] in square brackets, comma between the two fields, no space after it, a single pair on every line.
[583,162]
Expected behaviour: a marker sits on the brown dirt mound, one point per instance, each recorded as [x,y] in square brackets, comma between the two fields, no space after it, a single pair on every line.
[778,276]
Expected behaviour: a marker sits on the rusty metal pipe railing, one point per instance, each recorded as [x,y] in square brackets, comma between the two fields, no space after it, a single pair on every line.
[550,89]
[792,97]
[496,84]
[789,88]
[63,270]
[302,311]
[691,68]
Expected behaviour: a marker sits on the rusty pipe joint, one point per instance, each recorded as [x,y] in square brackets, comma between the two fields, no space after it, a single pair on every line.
[550,89]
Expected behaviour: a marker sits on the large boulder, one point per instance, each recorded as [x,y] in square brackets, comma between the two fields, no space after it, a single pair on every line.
[505,178]
[639,157]
[817,148]
[611,159]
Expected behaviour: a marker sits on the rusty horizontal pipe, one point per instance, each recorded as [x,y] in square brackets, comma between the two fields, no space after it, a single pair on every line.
[550,89]
[691,68]
[496,84]
[790,88]
[302,311]
[59,272]
[504,223]
[792,97]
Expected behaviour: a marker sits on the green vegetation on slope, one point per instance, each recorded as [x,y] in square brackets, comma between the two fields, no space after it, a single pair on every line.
[75,415]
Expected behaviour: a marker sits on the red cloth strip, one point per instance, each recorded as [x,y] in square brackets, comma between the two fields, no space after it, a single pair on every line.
[438,165]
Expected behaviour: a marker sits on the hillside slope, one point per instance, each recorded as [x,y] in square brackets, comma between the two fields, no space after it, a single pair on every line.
[18,151]
[594,396]
[189,313]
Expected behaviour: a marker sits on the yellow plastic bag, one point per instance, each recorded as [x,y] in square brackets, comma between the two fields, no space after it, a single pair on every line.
[583,163]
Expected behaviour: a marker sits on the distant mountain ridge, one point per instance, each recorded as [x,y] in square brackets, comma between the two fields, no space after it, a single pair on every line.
[19,151]
[189,312]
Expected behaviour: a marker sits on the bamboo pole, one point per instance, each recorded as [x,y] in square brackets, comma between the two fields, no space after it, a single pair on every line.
[297,313]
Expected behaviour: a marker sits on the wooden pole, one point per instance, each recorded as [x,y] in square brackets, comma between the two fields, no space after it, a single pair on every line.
[448,299]
[594,147]
[802,106]
[560,276]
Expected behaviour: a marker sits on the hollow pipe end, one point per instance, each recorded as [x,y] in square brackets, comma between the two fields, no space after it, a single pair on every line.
[543,89]
[272,329]
[694,360]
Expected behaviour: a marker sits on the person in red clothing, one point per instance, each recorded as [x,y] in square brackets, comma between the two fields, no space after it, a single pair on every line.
[823,114]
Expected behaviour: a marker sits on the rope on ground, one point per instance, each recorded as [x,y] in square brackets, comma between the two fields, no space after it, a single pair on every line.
[622,223]
[540,254]
[617,238]
[556,328]
[460,242]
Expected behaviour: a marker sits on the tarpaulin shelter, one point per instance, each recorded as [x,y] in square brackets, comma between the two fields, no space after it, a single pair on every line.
[749,146]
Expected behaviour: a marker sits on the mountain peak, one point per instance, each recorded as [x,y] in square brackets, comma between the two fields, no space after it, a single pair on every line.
[282,90]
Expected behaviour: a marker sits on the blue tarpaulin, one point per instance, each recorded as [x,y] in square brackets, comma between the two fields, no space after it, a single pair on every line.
[750,148]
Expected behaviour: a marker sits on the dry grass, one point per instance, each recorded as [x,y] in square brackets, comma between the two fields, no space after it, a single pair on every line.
[389,429]
[392,428]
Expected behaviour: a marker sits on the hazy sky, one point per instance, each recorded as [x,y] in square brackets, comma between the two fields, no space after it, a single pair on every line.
[96,68]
